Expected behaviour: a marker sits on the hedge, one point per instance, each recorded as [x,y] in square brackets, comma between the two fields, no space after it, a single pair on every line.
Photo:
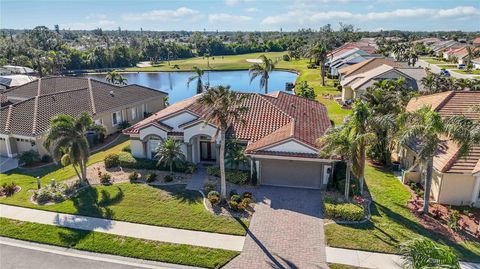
[345,212]
[126,160]
[233,176]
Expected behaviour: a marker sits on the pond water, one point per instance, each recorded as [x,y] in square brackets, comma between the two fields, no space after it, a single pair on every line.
[175,83]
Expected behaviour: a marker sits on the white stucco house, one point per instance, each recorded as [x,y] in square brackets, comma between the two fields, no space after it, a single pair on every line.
[279,132]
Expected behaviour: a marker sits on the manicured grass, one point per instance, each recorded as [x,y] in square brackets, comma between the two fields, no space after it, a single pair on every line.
[341,266]
[392,222]
[433,60]
[447,66]
[238,62]
[164,206]
[116,245]
[463,71]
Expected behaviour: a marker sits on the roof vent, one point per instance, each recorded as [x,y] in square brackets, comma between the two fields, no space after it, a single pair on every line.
[111,93]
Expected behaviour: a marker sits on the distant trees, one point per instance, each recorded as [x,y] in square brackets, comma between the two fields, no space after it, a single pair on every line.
[115,78]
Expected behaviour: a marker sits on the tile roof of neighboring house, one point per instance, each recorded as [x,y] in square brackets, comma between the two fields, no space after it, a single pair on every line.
[271,118]
[476,40]
[15,80]
[449,104]
[367,66]
[48,97]
[364,45]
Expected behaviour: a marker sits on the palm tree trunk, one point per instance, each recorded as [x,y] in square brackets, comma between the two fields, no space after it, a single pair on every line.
[266,85]
[223,183]
[76,172]
[428,186]
[361,170]
[322,68]
[347,180]
[171,169]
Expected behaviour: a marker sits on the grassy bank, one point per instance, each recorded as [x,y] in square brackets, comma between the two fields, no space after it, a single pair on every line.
[163,206]
[391,224]
[116,245]
[239,62]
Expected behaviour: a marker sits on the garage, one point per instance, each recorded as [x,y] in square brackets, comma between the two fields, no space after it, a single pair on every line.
[303,174]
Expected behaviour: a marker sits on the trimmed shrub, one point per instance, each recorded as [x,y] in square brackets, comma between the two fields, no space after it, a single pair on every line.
[127,148]
[8,189]
[346,212]
[57,197]
[233,205]
[311,66]
[133,176]
[286,58]
[236,198]
[111,160]
[105,178]
[247,194]
[232,193]
[209,186]
[232,176]
[43,196]
[126,160]
[29,157]
[213,197]
[168,178]
[245,203]
[150,177]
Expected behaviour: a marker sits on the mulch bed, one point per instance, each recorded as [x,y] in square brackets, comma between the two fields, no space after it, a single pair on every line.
[436,220]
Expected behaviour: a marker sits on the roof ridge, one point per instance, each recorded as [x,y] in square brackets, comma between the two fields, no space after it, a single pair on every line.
[276,107]
[39,87]
[56,93]
[35,115]
[9,118]
[145,87]
[92,100]
[444,101]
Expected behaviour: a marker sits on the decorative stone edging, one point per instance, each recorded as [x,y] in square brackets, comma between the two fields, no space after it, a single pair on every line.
[367,217]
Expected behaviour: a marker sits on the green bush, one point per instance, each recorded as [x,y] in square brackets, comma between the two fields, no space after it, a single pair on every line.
[29,157]
[247,194]
[232,193]
[168,178]
[286,58]
[232,176]
[213,197]
[43,196]
[111,160]
[346,212]
[127,148]
[133,176]
[105,178]
[236,198]
[126,160]
[57,197]
[151,177]
[8,189]
[233,205]
[209,186]
[245,203]
[46,158]
[311,66]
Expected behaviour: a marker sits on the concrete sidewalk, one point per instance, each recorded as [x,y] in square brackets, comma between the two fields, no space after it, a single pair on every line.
[365,259]
[142,231]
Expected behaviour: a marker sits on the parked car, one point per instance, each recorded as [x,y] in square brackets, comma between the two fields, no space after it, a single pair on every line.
[461,66]
[444,72]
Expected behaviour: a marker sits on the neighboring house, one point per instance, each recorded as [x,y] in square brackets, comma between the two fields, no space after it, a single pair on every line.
[345,54]
[440,47]
[476,63]
[355,86]
[9,81]
[459,53]
[476,42]
[365,66]
[14,69]
[456,181]
[279,133]
[350,60]
[26,110]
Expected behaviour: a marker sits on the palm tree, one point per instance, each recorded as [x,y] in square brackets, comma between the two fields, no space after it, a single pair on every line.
[429,131]
[428,82]
[198,77]
[424,253]
[169,152]
[319,52]
[336,142]
[226,108]
[262,70]
[67,136]
[115,78]
[235,154]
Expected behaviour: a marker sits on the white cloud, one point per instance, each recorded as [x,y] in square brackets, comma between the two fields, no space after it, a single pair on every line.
[224,17]
[251,9]
[95,16]
[104,24]
[163,15]
[302,17]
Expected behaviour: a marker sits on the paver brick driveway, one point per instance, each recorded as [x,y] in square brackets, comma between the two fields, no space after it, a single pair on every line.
[286,231]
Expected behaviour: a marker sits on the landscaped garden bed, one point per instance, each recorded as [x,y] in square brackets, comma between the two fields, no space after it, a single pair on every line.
[340,210]
[9,189]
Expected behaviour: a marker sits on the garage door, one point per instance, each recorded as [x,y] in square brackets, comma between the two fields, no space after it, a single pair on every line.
[291,173]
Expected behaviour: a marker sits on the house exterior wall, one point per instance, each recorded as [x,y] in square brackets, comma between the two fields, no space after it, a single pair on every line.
[347,93]
[291,146]
[178,120]
[457,189]
[437,179]
[137,148]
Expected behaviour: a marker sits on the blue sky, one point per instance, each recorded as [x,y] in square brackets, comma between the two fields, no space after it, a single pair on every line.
[243,15]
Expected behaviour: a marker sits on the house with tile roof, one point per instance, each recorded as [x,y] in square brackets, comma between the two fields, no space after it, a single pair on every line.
[279,133]
[456,180]
[365,66]
[476,42]
[26,110]
[354,86]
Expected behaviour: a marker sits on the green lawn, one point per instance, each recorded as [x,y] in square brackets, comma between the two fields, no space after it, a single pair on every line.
[116,245]
[447,66]
[167,206]
[432,60]
[463,71]
[238,62]
[392,223]
[341,266]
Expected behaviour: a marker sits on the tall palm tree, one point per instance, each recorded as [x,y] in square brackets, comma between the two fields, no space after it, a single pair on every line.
[226,108]
[428,82]
[169,152]
[67,136]
[429,131]
[319,52]
[198,77]
[262,70]
[337,143]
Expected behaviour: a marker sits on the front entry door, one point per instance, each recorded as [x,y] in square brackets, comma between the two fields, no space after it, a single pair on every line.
[206,153]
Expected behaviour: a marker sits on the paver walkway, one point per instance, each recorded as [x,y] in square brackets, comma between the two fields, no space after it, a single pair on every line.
[150,232]
[286,231]
[365,259]
[198,179]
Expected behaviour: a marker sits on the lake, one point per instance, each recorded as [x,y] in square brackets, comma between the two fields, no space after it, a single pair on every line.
[175,83]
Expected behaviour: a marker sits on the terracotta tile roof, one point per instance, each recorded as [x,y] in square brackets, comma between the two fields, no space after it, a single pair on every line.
[476,40]
[367,66]
[65,95]
[271,119]
[448,104]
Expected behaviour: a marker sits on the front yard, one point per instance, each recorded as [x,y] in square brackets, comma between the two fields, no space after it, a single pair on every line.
[169,206]
[392,223]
